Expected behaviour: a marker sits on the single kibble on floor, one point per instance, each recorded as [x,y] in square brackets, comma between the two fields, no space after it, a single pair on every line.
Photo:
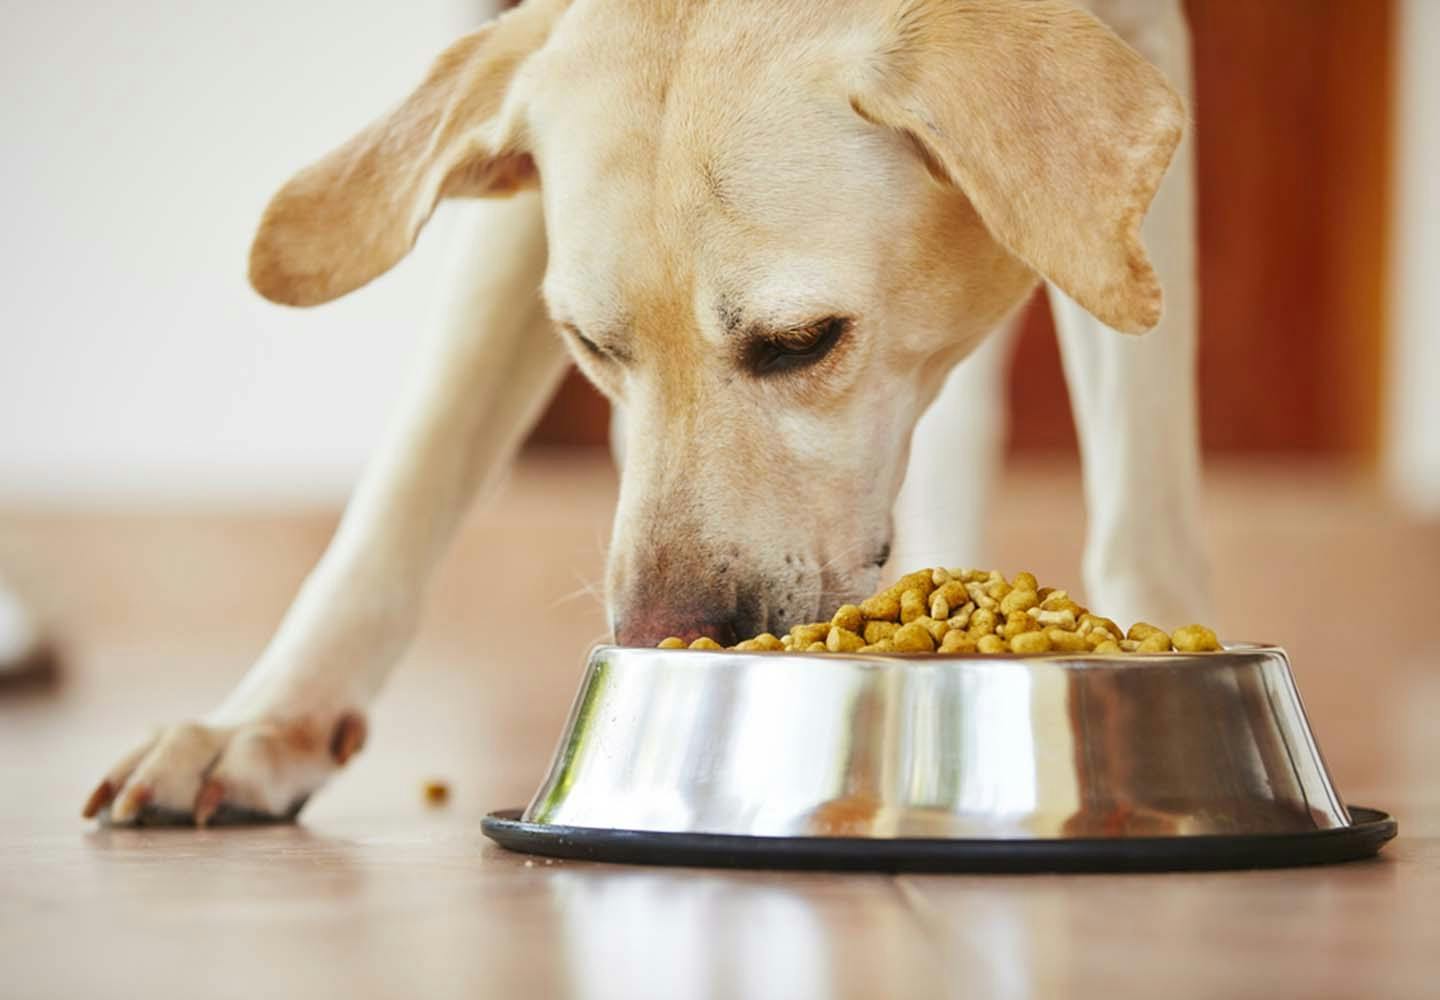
[968,611]
[437,793]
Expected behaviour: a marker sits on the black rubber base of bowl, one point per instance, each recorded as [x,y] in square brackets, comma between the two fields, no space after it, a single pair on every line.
[1369,832]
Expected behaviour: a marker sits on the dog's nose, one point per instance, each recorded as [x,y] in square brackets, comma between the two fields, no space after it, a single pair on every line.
[648,629]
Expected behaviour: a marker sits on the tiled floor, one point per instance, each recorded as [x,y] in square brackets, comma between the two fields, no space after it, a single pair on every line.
[375,894]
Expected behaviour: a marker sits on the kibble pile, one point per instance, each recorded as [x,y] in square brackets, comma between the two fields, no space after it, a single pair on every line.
[970,611]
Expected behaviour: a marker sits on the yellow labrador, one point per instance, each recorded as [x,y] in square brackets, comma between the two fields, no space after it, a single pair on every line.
[768,229]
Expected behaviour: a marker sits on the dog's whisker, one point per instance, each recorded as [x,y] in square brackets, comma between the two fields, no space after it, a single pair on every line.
[843,554]
[587,588]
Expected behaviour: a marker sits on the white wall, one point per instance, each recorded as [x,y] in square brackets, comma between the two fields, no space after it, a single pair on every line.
[1413,414]
[141,141]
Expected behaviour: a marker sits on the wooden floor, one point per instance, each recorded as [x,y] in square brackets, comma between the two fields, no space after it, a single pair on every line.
[375,894]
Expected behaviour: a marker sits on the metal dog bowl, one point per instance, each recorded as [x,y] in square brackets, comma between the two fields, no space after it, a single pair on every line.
[1062,762]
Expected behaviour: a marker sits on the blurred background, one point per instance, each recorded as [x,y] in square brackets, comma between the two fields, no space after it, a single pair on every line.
[143,140]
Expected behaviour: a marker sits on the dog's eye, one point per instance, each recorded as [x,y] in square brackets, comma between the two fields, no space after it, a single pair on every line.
[796,349]
[591,348]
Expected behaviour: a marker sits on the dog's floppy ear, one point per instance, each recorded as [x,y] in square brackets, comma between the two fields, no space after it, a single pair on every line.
[353,215]
[1055,129]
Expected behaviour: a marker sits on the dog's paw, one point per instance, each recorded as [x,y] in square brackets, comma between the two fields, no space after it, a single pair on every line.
[261,772]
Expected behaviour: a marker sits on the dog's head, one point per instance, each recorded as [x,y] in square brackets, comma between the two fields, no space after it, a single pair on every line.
[773,228]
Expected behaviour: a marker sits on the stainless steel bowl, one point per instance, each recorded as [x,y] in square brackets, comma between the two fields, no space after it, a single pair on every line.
[990,748]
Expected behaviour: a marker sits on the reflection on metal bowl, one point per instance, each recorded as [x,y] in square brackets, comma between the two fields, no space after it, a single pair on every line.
[1062,748]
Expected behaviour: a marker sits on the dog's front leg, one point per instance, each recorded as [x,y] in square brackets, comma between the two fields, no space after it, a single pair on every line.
[1135,398]
[943,506]
[299,713]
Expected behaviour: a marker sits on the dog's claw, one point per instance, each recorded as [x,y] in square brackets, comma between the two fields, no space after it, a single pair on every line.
[99,799]
[211,794]
[129,805]
[205,775]
[348,738]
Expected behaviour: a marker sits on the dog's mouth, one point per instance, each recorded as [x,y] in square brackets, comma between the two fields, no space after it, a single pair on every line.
[731,590]
[793,595]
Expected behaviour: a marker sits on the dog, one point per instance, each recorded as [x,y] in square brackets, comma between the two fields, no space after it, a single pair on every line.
[769,230]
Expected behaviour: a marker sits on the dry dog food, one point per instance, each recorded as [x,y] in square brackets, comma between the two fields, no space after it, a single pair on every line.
[970,611]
